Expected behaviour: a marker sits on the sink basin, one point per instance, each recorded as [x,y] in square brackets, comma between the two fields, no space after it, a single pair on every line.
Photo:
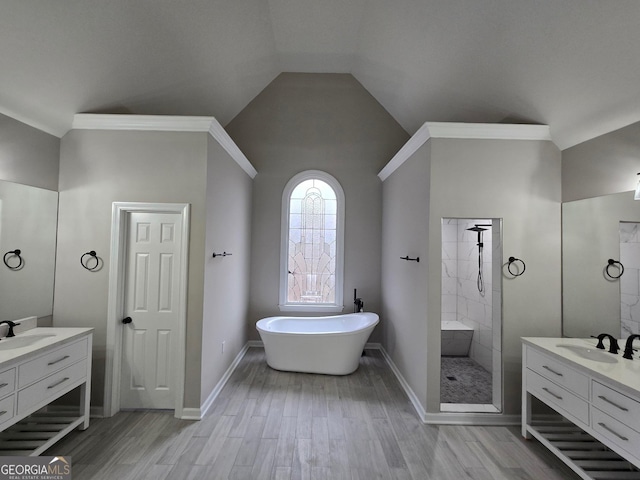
[22,341]
[590,353]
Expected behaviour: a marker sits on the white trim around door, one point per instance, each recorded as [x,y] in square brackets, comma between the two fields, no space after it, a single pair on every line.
[115,308]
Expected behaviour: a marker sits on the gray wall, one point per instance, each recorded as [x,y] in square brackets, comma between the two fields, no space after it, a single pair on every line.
[405,222]
[226,279]
[327,122]
[101,167]
[28,155]
[518,181]
[601,166]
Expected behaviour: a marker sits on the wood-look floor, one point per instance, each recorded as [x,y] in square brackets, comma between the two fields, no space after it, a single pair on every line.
[276,425]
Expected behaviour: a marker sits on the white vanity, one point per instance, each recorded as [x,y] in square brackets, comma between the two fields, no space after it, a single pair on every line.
[596,392]
[37,367]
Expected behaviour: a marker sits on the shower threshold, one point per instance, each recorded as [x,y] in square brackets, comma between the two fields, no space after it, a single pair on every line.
[468,408]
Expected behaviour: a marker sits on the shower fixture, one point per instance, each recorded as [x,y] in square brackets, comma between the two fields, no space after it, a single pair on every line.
[479,228]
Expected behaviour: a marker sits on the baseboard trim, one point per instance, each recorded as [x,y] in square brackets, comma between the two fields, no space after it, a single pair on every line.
[413,398]
[198,413]
[444,418]
[191,414]
[96,412]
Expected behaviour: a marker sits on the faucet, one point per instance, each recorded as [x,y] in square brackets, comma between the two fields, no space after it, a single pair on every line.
[628,348]
[613,343]
[357,302]
[11,325]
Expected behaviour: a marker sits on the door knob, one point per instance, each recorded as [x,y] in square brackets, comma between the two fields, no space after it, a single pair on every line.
[127,320]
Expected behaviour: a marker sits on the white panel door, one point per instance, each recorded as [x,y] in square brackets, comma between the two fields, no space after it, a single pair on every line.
[151,301]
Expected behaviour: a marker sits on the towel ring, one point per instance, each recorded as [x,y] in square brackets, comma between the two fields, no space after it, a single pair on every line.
[14,253]
[613,262]
[513,260]
[85,263]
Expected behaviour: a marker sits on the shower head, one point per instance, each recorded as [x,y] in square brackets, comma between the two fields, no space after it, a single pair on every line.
[477,228]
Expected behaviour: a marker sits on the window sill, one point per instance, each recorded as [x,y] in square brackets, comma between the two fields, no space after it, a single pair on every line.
[312,308]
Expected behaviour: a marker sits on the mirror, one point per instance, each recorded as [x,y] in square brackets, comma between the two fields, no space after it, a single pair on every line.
[590,236]
[28,222]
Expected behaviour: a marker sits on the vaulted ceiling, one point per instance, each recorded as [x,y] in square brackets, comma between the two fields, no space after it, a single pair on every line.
[571,64]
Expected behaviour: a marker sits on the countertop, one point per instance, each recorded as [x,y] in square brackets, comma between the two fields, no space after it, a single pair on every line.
[624,374]
[45,338]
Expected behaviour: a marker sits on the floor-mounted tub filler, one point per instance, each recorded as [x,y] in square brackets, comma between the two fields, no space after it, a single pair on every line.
[329,345]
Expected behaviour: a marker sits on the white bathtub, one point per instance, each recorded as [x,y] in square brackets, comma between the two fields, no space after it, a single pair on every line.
[329,345]
[455,339]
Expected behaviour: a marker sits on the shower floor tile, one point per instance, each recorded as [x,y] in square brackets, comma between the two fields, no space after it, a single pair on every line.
[462,380]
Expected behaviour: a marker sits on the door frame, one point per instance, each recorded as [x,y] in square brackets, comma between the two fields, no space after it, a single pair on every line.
[116,298]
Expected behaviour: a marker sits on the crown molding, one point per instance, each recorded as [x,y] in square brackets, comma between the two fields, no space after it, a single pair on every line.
[220,134]
[482,131]
[408,149]
[165,123]
[489,131]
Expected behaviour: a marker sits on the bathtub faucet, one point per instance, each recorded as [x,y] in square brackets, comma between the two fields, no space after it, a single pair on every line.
[358,305]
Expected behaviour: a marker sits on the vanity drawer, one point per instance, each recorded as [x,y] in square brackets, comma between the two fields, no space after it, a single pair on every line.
[51,362]
[615,432]
[558,372]
[7,383]
[617,405]
[46,389]
[558,397]
[7,409]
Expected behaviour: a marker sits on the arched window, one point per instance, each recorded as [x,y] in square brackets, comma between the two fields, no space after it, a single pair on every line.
[311,260]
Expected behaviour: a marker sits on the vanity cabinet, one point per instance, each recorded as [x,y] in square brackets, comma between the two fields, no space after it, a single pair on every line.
[32,377]
[599,435]
[615,418]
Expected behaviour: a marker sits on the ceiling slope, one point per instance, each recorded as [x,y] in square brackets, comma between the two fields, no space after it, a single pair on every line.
[572,65]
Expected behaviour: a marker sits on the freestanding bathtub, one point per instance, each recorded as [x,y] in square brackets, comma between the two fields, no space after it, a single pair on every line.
[329,345]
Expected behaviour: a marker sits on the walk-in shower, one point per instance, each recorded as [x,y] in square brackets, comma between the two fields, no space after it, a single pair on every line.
[471,325]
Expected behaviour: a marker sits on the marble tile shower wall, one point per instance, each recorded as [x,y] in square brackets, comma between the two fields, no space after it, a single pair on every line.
[461,299]
[449,269]
[630,280]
